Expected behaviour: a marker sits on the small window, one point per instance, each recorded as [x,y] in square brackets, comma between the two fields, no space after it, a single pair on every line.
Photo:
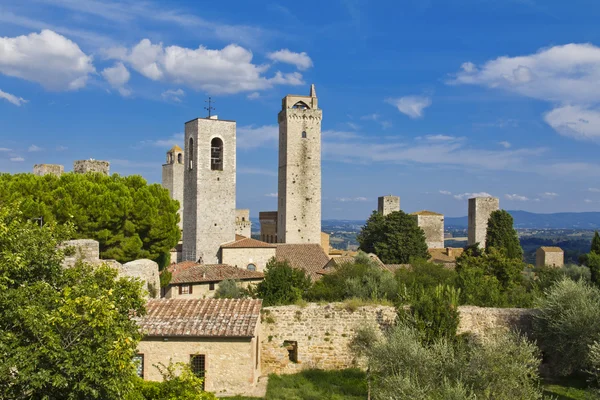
[185,289]
[251,267]
[198,365]
[211,286]
[216,154]
[180,158]
[303,134]
[191,154]
[138,360]
[301,105]
[292,348]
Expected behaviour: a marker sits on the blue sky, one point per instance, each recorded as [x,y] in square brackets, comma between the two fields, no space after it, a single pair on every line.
[431,100]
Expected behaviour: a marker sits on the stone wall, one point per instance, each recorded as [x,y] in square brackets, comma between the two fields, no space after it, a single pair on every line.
[482,321]
[85,166]
[146,271]
[241,257]
[480,209]
[388,204]
[86,250]
[45,169]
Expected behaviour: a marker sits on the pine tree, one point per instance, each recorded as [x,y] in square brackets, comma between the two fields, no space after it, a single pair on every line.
[595,243]
[502,236]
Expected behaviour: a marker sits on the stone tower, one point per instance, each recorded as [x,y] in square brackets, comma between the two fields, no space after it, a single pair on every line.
[172,178]
[432,224]
[480,209]
[91,165]
[209,188]
[388,204]
[243,226]
[48,169]
[299,202]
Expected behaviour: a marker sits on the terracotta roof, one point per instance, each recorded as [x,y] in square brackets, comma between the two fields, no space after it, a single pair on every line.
[442,256]
[201,317]
[337,261]
[190,272]
[242,242]
[309,256]
[425,212]
[551,249]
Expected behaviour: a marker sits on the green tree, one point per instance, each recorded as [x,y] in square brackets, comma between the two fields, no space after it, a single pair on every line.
[282,284]
[595,248]
[395,238]
[64,333]
[230,289]
[593,263]
[129,218]
[435,313]
[502,236]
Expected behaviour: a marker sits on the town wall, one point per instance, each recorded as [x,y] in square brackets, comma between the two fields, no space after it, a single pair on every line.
[242,257]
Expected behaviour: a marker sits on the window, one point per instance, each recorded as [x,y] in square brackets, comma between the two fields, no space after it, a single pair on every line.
[138,360]
[303,134]
[191,154]
[198,365]
[180,158]
[257,353]
[211,286]
[251,267]
[292,348]
[301,105]
[185,289]
[216,154]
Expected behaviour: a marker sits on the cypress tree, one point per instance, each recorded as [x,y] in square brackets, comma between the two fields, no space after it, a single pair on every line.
[595,244]
[502,236]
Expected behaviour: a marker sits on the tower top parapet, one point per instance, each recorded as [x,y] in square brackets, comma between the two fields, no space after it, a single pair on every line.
[301,102]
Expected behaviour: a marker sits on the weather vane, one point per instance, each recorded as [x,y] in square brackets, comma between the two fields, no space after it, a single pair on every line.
[210,107]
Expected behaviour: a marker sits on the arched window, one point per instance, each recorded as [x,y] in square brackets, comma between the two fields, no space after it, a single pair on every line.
[301,105]
[191,154]
[180,158]
[216,154]
[303,134]
[251,267]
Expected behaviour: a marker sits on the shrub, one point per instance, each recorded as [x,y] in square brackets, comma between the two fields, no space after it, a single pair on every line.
[435,313]
[423,275]
[229,289]
[567,323]
[282,284]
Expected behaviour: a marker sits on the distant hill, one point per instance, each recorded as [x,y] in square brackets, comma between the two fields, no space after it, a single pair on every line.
[524,219]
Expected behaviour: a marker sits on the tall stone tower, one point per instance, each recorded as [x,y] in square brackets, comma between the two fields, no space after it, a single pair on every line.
[172,178]
[91,165]
[299,202]
[480,209]
[388,204]
[209,189]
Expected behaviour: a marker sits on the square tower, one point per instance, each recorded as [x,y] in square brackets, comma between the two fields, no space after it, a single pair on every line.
[549,256]
[268,226]
[480,209]
[388,204]
[299,202]
[172,178]
[432,224]
[209,189]
[243,226]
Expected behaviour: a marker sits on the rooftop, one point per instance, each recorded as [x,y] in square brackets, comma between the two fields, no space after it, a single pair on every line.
[175,148]
[447,255]
[201,317]
[309,256]
[191,272]
[551,249]
[425,212]
[242,242]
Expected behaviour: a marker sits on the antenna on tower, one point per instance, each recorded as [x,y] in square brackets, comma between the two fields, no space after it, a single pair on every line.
[210,107]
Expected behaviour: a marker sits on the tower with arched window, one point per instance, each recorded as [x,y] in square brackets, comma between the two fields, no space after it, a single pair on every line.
[209,188]
[299,199]
[172,178]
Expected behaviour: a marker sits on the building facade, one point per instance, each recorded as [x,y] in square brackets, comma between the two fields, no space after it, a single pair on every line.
[480,209]
[268,226]
[243,226]
[549,256]
[172,177]
[299,195]
[388,204]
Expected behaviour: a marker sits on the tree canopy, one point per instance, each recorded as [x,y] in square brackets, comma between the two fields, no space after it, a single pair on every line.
[130,218]
[502,236]
[595,248]
[282,284]
[394,238]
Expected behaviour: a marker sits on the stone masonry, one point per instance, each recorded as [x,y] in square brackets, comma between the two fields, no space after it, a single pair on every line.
[299,202]
[480,209]
[209,188]
[47,169]
[268,226]
[432,224]
[243,226]
[549,256]
[388,204]
[172,178]
[91,165]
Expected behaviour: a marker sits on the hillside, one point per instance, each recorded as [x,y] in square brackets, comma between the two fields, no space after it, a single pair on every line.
[524,219]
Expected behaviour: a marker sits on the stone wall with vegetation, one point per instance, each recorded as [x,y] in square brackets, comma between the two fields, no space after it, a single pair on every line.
[320,334]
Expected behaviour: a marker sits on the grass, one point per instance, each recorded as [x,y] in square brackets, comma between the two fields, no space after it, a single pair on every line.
[567,389]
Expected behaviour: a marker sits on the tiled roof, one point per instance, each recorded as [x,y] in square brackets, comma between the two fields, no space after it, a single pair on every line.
[425,212]
[201,317]
[190,272]
[310,257]
[242,242]
[551,249]
[337,261]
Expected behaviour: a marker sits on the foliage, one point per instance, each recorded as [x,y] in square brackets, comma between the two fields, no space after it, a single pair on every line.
[435,313]
[129,218]
[349,384]
[502,236]
[593,263]
[230,289]
[404,367]
[594,362]
[282,284]
[179,383]
[64,333]
[421,276]
[545,277]
[165,278]
[567,323]
[395,238]
[595,247]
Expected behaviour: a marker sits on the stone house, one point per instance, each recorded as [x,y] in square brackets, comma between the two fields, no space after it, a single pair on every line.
[197,281]
[219,337]
[247,253]
[550,256]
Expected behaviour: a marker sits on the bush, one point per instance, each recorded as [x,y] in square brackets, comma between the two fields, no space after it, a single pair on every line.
[423,275]
[435,313]
[567,323]
[229,289]
[282,284]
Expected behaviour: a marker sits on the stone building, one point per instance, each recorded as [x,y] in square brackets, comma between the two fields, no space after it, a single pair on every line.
[199,281]
[209,188]
[480,209]
[299,194]
[388,204]
[432,224]
[445,256]
[219,338]
[243,226]
[172,178]
[48,169]
[91,165]
[549,256]
[268,226]
[248,253]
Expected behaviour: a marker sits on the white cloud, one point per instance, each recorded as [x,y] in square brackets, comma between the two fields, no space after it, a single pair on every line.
[229,70]
[4,149]
[549,195]
[250,137]
[61,148]
[271,195]
[253,96]
[445,192]
[301,60]
[594,190]
[505,144]
[11,98]
[439,138]
[413,106]
[17,159]
[173,95]
[47,58]
[34,148]
[117,76]
[516,197]
[465,196]
[588,200]
[578,122]
[175,139]
[352,199]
